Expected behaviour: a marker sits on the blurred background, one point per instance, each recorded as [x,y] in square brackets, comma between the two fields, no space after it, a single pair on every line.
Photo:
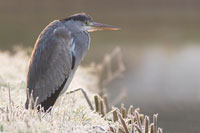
[160,41]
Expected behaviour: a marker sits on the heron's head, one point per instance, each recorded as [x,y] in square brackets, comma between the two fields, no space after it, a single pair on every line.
[86,23]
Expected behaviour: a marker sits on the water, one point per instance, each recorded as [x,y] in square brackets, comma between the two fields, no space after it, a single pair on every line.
[164,80]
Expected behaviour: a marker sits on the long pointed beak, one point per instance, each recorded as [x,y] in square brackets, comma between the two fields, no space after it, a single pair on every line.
[98,26]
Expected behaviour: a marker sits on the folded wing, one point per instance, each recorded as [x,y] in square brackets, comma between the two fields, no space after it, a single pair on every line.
[50,65]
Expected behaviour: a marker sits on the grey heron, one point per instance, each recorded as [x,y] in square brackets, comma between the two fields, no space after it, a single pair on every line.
[57,53]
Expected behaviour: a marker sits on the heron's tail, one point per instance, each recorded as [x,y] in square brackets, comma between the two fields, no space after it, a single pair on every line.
[50,101]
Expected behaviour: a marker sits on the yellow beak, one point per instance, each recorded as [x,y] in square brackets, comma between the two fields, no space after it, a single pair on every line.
[98,26]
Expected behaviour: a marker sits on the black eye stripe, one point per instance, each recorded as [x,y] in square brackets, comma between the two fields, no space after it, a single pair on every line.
[78,17]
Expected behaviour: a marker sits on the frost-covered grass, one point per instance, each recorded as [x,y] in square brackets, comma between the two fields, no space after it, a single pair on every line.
[71,112]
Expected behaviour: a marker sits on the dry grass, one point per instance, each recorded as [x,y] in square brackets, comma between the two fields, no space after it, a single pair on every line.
[71,113]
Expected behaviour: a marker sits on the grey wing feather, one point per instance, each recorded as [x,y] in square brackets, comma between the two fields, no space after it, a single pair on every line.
[50,63]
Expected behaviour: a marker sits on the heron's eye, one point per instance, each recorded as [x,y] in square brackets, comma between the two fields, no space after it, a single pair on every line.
[86,22]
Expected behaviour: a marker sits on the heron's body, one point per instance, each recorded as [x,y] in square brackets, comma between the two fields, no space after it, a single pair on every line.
[58,51]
